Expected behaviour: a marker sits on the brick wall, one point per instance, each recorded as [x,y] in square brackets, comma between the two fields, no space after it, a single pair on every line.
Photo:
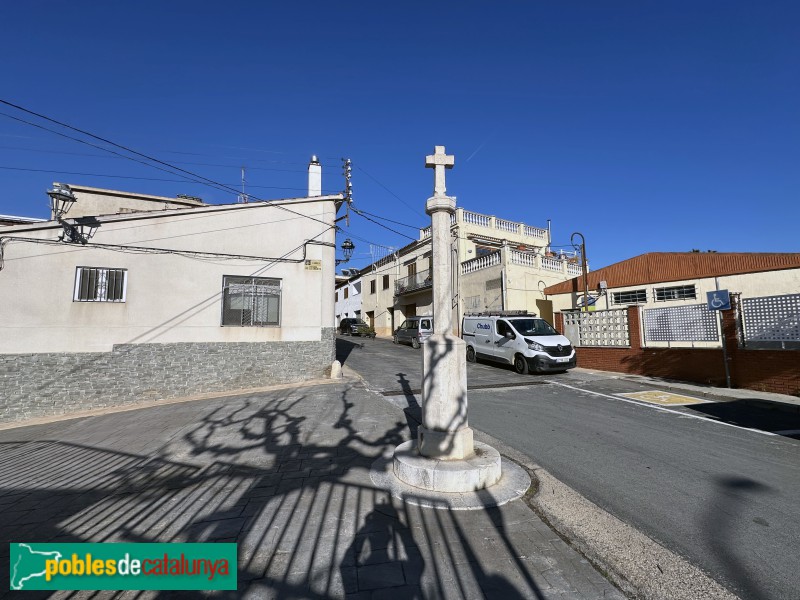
[38,385]
[764,370]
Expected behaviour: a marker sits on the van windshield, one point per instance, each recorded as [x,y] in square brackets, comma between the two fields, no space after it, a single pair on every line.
[533,327]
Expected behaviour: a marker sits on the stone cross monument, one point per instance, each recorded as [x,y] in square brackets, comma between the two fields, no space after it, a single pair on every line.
[444,458]
[444,433]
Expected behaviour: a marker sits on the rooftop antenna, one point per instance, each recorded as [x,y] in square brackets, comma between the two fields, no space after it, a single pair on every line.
[243,195]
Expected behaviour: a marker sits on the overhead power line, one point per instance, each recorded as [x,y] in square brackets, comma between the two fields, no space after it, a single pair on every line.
[198,178]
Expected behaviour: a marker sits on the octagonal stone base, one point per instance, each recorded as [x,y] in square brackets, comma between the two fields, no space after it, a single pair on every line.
[476,472]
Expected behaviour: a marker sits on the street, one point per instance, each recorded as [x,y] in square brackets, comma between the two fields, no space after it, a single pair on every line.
[711,481]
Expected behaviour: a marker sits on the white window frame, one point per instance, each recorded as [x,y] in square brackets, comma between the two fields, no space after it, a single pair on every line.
[100,293]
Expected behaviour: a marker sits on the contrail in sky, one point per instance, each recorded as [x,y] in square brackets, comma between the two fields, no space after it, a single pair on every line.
[478,149]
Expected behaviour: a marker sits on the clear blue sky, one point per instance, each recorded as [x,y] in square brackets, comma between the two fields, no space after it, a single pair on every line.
[647,126]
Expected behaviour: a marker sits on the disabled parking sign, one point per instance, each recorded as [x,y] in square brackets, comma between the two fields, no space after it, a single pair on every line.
[719,300]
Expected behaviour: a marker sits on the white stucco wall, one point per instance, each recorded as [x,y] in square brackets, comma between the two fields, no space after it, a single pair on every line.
[170,297]
[350,306]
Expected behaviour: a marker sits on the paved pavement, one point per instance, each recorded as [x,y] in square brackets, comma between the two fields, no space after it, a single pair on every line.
[285,474]
[712,481]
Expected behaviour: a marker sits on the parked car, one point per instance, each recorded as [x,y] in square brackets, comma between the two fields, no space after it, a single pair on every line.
[527,343]
[414,331]
[351,326]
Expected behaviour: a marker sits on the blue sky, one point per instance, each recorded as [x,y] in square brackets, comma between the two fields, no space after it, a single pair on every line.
[646,126]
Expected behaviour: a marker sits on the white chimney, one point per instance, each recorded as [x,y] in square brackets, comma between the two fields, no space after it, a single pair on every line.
[314,177]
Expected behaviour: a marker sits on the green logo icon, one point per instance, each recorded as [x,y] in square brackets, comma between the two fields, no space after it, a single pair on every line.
[122,566]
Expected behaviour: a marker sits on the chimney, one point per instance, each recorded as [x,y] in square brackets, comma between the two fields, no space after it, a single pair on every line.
[314,177]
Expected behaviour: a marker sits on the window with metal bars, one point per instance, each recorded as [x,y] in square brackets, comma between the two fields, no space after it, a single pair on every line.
[99,284]
[629,297]
[678,292]
[251,302]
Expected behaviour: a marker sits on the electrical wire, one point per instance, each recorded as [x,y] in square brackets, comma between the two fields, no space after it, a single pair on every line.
[55,172]
[416,210]
[204,180]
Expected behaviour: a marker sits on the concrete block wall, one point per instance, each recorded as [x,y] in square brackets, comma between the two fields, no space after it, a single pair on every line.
[39,385]
[775,371]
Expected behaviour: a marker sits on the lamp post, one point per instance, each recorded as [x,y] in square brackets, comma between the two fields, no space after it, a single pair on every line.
[583,268]
[347,250]
[61,200]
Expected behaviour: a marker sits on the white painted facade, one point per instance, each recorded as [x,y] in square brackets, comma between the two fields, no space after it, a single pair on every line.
[348,299]
[172,293]
[500,265]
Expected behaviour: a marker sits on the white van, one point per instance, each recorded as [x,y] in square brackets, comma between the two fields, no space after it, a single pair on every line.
[520,339]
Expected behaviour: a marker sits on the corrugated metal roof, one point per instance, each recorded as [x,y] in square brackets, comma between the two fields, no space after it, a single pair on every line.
[658,267]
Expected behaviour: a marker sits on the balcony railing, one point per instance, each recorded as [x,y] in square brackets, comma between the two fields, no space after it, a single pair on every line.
[412,283]
[500,226]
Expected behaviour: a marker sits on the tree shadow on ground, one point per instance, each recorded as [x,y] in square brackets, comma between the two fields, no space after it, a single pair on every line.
[284,474]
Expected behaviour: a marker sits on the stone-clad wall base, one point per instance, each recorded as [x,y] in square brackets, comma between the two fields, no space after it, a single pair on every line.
[40,385]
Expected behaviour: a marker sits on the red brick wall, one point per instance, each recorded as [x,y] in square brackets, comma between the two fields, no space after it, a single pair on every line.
[765,370]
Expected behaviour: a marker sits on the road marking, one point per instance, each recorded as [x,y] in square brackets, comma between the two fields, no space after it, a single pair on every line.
[661,408]
[663,398]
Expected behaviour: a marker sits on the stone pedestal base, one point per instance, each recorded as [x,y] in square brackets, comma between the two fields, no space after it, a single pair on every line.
[445,445]
[476,472]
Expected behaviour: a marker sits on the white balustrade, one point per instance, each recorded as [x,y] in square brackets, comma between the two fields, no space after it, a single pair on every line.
[523,258]
[476,219]
[482,262]
[535,232]
[509,226]
[551,264]
[573,269]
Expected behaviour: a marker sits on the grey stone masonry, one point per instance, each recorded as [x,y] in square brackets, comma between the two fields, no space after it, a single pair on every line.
[39,385]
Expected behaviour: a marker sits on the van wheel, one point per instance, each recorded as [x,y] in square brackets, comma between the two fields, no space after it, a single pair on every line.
[470,354]
[415,343]
[520,364]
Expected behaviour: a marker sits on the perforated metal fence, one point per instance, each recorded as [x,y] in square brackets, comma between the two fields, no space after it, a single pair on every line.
[600,328]
[771,321]
[688,323]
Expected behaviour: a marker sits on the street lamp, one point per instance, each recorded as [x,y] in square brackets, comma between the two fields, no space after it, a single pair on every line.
[583,268]
[347,249]
[61,200]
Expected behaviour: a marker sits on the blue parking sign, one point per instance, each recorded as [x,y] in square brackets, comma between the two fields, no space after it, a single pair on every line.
[719,300]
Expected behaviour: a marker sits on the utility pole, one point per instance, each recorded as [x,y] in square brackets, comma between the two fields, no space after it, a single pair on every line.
[583,268]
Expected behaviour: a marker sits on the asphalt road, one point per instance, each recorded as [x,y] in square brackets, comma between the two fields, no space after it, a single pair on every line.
[708,482]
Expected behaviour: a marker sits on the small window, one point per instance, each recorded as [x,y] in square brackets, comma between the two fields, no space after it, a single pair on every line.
[336,297]
[251,302]
[346,293]
[97,284]
[412,269]
[372,287]
[386,282]
[678,292]
[629,297]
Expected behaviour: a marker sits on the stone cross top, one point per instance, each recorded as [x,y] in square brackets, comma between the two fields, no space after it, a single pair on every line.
[439,161]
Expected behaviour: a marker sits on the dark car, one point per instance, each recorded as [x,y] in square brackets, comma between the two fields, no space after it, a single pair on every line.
[351,326]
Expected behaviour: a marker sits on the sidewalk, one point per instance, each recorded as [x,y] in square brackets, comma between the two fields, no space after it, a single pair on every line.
[285,474]
[776,401]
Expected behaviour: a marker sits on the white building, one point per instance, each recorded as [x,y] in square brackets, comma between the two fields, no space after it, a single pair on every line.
[169,297]
[348,296]
[499,265]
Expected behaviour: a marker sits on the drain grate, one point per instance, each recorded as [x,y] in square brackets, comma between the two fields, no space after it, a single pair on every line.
[487,386]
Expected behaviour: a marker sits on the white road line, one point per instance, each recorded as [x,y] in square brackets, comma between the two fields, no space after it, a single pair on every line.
[663,409]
